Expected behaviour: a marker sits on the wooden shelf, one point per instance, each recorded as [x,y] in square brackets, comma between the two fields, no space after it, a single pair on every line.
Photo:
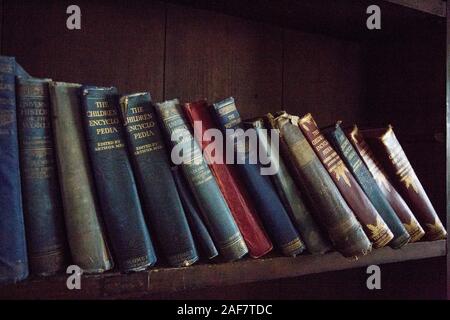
[344,19]
[161,280]
[434,7]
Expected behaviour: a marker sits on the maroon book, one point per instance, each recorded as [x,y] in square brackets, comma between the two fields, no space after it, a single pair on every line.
[234,192]
[386,146]
[396,201]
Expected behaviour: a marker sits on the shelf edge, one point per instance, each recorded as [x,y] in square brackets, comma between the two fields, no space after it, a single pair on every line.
[434,7]
[164,280]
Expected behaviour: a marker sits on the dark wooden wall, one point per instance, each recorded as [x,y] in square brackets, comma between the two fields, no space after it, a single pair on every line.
[406,87]
[103,52]
[1,24]
[176,51]
[324,76]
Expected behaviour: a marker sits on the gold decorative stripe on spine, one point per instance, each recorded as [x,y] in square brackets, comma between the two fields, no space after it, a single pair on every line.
[387,134]
[293,247]
[435,231]
[226,109]
[235,247]
[378,233]
[415,230]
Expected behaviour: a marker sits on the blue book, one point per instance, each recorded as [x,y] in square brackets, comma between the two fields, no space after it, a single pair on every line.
[44,223]
[115,185]
[272,212]
[290,195]
[160,200]
[198,228]
[217,216]
[13,251]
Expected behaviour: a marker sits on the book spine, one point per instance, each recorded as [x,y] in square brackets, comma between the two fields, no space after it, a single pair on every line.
[375,227]
[13,251]
[386,145]
[397,203]
[215,211]
[243,212]
[290,194]
[41,196]
[161,202]
[115,185]
[332,211]
[84,227]
[198,228]
[273,215]
[356,165]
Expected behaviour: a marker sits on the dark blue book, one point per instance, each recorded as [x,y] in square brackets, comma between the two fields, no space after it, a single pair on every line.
[44,223]
[199,231]
[216,213]
[160,200]
[13,251]
[115,185]
[272,212]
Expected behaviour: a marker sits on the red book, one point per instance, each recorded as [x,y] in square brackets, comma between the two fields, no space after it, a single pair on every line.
[234,192]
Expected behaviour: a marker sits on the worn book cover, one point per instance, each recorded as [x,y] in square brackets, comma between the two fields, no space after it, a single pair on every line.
[330,208]
[44,222]
[379,231]
[356,165]
[274,216]
[161,203]
[387,147]
[203,240]
[216,213]
[233,190]
[315,240]
[396,201]
[13,249]
[115,185]
[83,223]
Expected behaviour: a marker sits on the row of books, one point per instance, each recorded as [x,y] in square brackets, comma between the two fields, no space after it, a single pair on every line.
[86,179]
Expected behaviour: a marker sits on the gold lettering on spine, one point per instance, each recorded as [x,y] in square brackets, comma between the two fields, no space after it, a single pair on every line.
[330,158]
[368,158]
[6,68]
[398,158]
[34,114]
[140,124]
[35,122]
[105,126]
[199,172]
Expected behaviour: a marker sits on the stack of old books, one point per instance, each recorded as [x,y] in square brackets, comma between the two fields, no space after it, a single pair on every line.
[91,177]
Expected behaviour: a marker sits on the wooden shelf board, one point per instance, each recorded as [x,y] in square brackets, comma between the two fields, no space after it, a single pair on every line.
[161,280]
[434,7]
[343,19]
